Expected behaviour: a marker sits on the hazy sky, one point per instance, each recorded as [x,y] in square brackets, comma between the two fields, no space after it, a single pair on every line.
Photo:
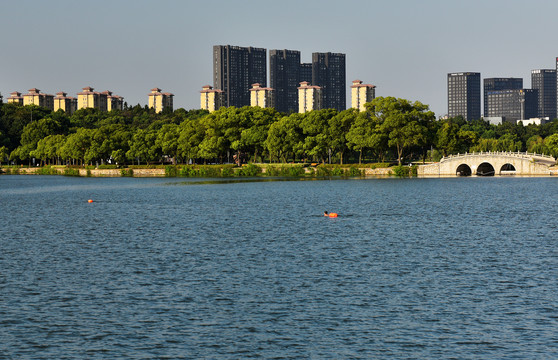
[404,47]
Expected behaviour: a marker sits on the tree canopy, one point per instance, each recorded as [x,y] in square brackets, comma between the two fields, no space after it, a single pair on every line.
[391,129]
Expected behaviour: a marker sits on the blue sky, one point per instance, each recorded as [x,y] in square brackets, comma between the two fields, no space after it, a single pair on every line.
[404,47]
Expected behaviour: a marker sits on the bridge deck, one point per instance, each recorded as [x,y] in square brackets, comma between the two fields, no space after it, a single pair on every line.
[540,158]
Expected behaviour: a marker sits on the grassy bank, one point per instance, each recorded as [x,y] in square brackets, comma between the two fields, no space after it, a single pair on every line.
[219,171]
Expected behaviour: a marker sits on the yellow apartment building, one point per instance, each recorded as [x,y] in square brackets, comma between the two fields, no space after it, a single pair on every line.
[113,102]
[89,98]
[361,94]
[15,98]
[160,100]
[263,97]
[309,97]
[104,101]
[65,103]
[211,99]
[36,97]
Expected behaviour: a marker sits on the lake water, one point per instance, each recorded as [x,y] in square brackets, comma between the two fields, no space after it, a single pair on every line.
[460,268]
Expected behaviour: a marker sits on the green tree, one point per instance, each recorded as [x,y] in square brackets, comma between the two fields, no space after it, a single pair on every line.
[190,136]
[48,149]
[404,123]
[119,156]
[143,146]
[535,144]
[315,126]
[551,143]
[76,146]
[167,140]
[252,139]
[285,137]
[14,118]
[509,142]
[339,127]
[3,154]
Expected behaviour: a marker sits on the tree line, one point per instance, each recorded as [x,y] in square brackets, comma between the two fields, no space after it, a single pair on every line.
[390,130]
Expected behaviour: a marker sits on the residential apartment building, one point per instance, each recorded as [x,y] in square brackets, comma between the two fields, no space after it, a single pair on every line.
[309,97]
[15,98]
[512,105]
[328,72]
[544,80]
[464,98]
[235,69]
[493,84]
[36,97]
[361,94]
[104,101]
[65,103]
[263,97]
[160,100]
[211,99]
[89,99]
[114,102]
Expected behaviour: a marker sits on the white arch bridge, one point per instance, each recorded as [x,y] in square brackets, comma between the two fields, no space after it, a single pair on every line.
[490,164]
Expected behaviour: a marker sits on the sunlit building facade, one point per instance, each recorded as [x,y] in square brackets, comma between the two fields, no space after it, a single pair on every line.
[65,103]
[211,99]
[15,98]
[36,97]
[309,97]
[361,94]
[263,97]
[160,100]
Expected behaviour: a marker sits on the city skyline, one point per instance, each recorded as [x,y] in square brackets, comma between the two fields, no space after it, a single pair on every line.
[405,48]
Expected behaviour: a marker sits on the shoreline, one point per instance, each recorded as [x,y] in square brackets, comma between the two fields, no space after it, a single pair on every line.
[205,171]
[178,171]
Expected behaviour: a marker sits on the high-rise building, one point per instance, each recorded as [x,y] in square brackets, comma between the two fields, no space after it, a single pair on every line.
[263,97]
[309,97]
[328,72]
[512,105]
[464,97]
[305,72]
[211,99]
[492,84]
[544,80]
[160,100]
[65,103]
[361,94]
[284,78]
[235,69]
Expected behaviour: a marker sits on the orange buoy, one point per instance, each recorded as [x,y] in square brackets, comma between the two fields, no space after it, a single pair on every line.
[332,215]
[89,201]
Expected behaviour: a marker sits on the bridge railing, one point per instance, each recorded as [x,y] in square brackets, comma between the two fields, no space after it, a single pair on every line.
[501,153]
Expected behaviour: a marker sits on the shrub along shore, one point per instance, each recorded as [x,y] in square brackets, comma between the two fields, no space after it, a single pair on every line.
[219,171]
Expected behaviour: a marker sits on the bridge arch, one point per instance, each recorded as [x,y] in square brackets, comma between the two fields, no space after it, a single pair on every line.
[507,169]
[491,163]
[485,169]
[464,170]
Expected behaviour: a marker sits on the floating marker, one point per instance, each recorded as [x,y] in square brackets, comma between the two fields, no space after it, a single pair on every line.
[89,201]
